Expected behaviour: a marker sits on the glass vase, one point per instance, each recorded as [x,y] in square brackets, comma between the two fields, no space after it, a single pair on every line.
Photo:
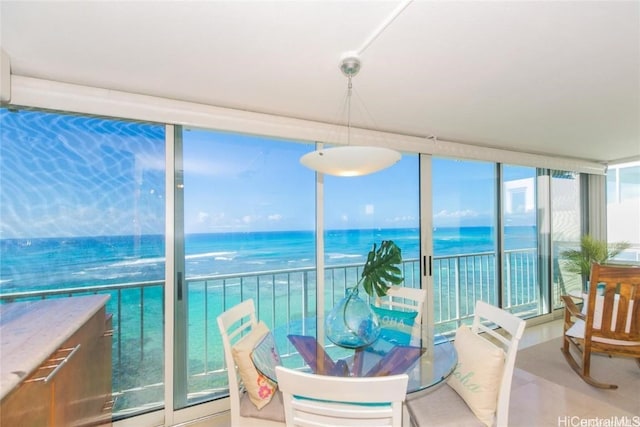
[352,323]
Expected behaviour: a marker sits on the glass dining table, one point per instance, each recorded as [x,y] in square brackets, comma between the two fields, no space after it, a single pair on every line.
[297,346]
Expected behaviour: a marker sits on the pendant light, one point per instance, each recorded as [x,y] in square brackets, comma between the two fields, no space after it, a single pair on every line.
[350,160]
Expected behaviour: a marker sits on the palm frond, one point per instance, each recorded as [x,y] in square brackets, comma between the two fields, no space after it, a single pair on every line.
[591,251]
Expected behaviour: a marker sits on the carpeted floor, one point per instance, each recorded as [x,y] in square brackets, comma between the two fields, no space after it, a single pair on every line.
[547,361]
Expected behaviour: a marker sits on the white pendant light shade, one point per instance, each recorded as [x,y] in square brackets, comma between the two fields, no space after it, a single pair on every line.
[350,160]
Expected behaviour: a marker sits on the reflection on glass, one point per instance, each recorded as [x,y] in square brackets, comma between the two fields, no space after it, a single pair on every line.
[520,284]
[566,230]
[623,208]
[82,209]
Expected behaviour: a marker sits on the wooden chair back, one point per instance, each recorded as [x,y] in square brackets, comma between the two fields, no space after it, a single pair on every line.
[614,315]
[610,322]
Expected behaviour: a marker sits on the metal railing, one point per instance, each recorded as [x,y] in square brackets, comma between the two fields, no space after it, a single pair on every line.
[279,295]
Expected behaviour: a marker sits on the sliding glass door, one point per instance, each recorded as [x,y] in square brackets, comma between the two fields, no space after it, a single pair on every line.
[82,211]
[522,283]
[362,211]
[465,239]
[246,211]
[566,226]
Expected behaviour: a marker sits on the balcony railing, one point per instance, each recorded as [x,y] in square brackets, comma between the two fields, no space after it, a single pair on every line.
[281,295]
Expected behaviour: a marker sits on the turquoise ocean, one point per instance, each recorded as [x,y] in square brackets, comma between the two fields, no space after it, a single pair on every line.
[43,264]
[30,264]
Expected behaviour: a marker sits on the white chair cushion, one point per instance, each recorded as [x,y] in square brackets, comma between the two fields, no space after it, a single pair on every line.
[478,373]
[442,407]
[272,411]
[259,388]
[597,315]
[577,329]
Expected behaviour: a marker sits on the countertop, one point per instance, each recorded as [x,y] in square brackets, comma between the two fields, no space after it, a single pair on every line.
[31,331]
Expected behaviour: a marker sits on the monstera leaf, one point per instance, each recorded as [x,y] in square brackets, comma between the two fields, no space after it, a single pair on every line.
[382,269]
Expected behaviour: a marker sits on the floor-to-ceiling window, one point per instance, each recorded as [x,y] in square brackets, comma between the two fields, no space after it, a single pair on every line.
[521,280]
[362,211]
[83,203]
[82,208]
[623,208]
[465,239]
[487,239]
[248,219]
[566,226]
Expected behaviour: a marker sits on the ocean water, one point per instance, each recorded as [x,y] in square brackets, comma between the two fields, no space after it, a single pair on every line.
[138,342]
[53,263]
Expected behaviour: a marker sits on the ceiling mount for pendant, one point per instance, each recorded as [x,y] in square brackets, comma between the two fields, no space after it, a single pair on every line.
[350,64]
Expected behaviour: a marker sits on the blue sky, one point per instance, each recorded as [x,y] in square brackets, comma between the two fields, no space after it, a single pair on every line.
[267,188]
[74,176]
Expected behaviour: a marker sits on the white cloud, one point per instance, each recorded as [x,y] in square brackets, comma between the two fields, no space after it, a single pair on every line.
[274,217]
[468,213]
[404,218]
[203,217]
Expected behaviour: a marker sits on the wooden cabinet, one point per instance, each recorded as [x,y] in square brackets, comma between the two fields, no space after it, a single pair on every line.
[29,405]
[72,386]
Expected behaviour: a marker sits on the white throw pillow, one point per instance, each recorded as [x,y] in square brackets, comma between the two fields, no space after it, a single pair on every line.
[259,388]
[478,373]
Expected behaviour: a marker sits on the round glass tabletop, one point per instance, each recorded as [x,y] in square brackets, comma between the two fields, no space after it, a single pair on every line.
[296,346]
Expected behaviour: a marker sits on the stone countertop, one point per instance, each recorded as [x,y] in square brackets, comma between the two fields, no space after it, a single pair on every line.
[31,331]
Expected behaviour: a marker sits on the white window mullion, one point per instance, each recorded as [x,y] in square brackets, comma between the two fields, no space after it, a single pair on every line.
[598,207]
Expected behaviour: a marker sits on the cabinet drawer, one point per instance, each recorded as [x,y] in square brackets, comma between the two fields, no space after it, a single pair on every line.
[72,387]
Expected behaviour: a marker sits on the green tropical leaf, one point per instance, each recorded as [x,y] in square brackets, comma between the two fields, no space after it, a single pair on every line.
[591,250]
[382,268]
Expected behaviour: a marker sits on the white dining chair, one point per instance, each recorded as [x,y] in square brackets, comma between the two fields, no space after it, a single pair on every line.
[319,400]
[234,324]
[486,358]
[405,299]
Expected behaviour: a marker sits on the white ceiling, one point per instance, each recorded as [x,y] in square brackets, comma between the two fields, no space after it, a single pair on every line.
[550,77]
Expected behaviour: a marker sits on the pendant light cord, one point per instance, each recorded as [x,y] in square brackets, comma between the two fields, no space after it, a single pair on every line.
[349,90]
[398,10]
